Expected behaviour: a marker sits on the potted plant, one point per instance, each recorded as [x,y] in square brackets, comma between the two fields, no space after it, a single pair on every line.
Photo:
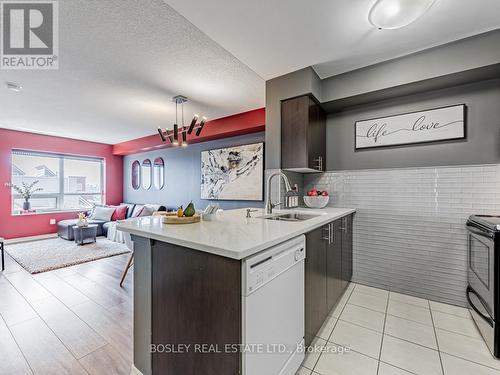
[26,191]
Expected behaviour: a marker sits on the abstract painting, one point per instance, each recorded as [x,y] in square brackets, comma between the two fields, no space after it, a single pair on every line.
[233,173]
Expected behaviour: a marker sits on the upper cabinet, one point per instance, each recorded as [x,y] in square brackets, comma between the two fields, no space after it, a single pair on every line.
[303,135]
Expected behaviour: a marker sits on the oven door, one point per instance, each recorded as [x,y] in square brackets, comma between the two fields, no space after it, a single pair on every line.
[481,267]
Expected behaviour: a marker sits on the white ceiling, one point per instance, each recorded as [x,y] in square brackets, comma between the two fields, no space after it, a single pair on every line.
[121,61]
[277,37]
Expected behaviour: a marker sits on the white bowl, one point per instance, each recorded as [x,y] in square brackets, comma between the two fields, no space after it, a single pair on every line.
[316,202]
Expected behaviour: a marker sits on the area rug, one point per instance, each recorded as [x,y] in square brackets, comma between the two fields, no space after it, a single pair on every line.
[54,253]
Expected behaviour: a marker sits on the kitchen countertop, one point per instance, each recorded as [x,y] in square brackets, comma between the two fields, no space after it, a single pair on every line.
[232,235]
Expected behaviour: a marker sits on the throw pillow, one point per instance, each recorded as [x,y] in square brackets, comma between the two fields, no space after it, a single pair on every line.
[102,213]
[120,213]
[147,210]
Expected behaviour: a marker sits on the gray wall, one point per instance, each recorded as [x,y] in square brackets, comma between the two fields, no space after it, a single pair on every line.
[481,146]
[471,53]
[182,175]
[301,82]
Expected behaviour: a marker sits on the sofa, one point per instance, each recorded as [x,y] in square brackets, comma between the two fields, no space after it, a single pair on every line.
[65,227]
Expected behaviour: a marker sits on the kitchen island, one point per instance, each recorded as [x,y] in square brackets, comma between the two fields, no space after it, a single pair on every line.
[188,286]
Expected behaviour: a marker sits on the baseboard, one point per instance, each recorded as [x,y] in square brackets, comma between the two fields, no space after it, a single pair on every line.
[30,238]
[134,371]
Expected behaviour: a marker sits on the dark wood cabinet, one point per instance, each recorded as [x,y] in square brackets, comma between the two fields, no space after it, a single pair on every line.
[328,270]
[346,250]
[334,285]
[315,282]
[303,135]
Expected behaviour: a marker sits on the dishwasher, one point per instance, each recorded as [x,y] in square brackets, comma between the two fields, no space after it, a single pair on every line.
[273,310]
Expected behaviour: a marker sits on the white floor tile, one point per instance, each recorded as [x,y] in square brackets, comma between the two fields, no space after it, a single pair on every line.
[410,312]
[357,338]
[363,317]
[350,363]
[466,347]
[455,324]
[303,371]
[411,357]
[385,369]
[313,352]
[327,328]
[450,309]
[411,331]
[376,303]
[337,310]
[420,302]
[456,366]
[371,291]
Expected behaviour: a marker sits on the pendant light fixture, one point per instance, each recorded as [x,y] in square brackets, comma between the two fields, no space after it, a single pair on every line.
[395,14]
[178,135]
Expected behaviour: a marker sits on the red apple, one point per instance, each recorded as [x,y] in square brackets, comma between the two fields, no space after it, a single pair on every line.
[324,193]
[314,193]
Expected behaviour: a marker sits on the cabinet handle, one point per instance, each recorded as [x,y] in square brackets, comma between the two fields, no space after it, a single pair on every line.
[319,166]
[329,234]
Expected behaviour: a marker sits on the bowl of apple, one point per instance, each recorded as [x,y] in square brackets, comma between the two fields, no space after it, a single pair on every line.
[316,198]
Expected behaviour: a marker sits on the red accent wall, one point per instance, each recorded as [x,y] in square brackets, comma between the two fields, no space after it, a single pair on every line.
[230,126]
[32,225]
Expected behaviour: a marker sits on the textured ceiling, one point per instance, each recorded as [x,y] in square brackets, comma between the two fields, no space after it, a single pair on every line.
[334,36]
[121,61]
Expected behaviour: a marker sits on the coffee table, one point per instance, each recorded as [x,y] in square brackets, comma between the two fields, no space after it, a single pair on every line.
[85,235]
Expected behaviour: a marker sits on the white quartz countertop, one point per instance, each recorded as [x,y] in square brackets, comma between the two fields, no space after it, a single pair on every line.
[232,235]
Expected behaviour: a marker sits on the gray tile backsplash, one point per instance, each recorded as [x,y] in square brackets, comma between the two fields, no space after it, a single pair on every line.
[409,233]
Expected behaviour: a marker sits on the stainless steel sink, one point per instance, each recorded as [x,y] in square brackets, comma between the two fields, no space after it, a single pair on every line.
[292,216]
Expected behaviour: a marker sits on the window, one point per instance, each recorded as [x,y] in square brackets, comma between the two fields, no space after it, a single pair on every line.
[67,182]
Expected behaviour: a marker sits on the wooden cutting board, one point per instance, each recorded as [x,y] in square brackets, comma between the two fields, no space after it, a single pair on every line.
[174,219]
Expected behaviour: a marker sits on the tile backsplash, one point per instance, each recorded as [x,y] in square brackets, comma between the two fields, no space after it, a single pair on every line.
[409,233]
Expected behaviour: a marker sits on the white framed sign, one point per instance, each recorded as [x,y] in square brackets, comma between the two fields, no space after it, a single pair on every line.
[432,125]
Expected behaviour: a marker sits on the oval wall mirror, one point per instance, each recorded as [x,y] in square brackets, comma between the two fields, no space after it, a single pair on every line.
[159,173]
[146,174]
[136,175]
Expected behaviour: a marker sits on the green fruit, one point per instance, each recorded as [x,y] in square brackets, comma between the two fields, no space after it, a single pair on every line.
[189,211]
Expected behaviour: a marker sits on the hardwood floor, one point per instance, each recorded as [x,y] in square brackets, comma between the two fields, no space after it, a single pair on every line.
[75,320]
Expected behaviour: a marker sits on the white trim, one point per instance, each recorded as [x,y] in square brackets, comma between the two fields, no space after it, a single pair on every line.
[134,371]
[30,238]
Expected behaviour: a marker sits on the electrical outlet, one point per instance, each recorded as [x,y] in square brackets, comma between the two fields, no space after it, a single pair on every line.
[52,221]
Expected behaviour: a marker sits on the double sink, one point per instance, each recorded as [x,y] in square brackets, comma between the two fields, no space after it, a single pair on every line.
[291,216]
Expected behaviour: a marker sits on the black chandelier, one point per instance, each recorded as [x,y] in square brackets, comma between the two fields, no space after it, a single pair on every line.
[178,135]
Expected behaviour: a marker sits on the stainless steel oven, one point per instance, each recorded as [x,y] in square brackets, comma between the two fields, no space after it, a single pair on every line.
[483,276]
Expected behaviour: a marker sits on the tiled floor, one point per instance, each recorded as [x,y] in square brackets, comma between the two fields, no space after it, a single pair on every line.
[395,334]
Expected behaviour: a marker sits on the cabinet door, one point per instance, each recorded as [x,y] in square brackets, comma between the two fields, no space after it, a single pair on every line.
[316,137]
[334,265]
[315,283]
[294,125]
[347,250]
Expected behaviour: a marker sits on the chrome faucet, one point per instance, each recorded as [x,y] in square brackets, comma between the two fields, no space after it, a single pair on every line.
[269,204]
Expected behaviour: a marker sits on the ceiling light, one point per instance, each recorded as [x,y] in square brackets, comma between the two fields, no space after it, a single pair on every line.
[162,136]
[178,136]
[202,124]
[394,14]
[193,123]
[13,86]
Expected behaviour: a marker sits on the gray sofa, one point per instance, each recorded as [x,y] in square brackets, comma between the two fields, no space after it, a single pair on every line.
[65,227]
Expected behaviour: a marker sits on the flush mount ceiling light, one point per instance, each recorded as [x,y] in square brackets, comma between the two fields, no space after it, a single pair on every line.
[13,86]
[394,14]
[178,135]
